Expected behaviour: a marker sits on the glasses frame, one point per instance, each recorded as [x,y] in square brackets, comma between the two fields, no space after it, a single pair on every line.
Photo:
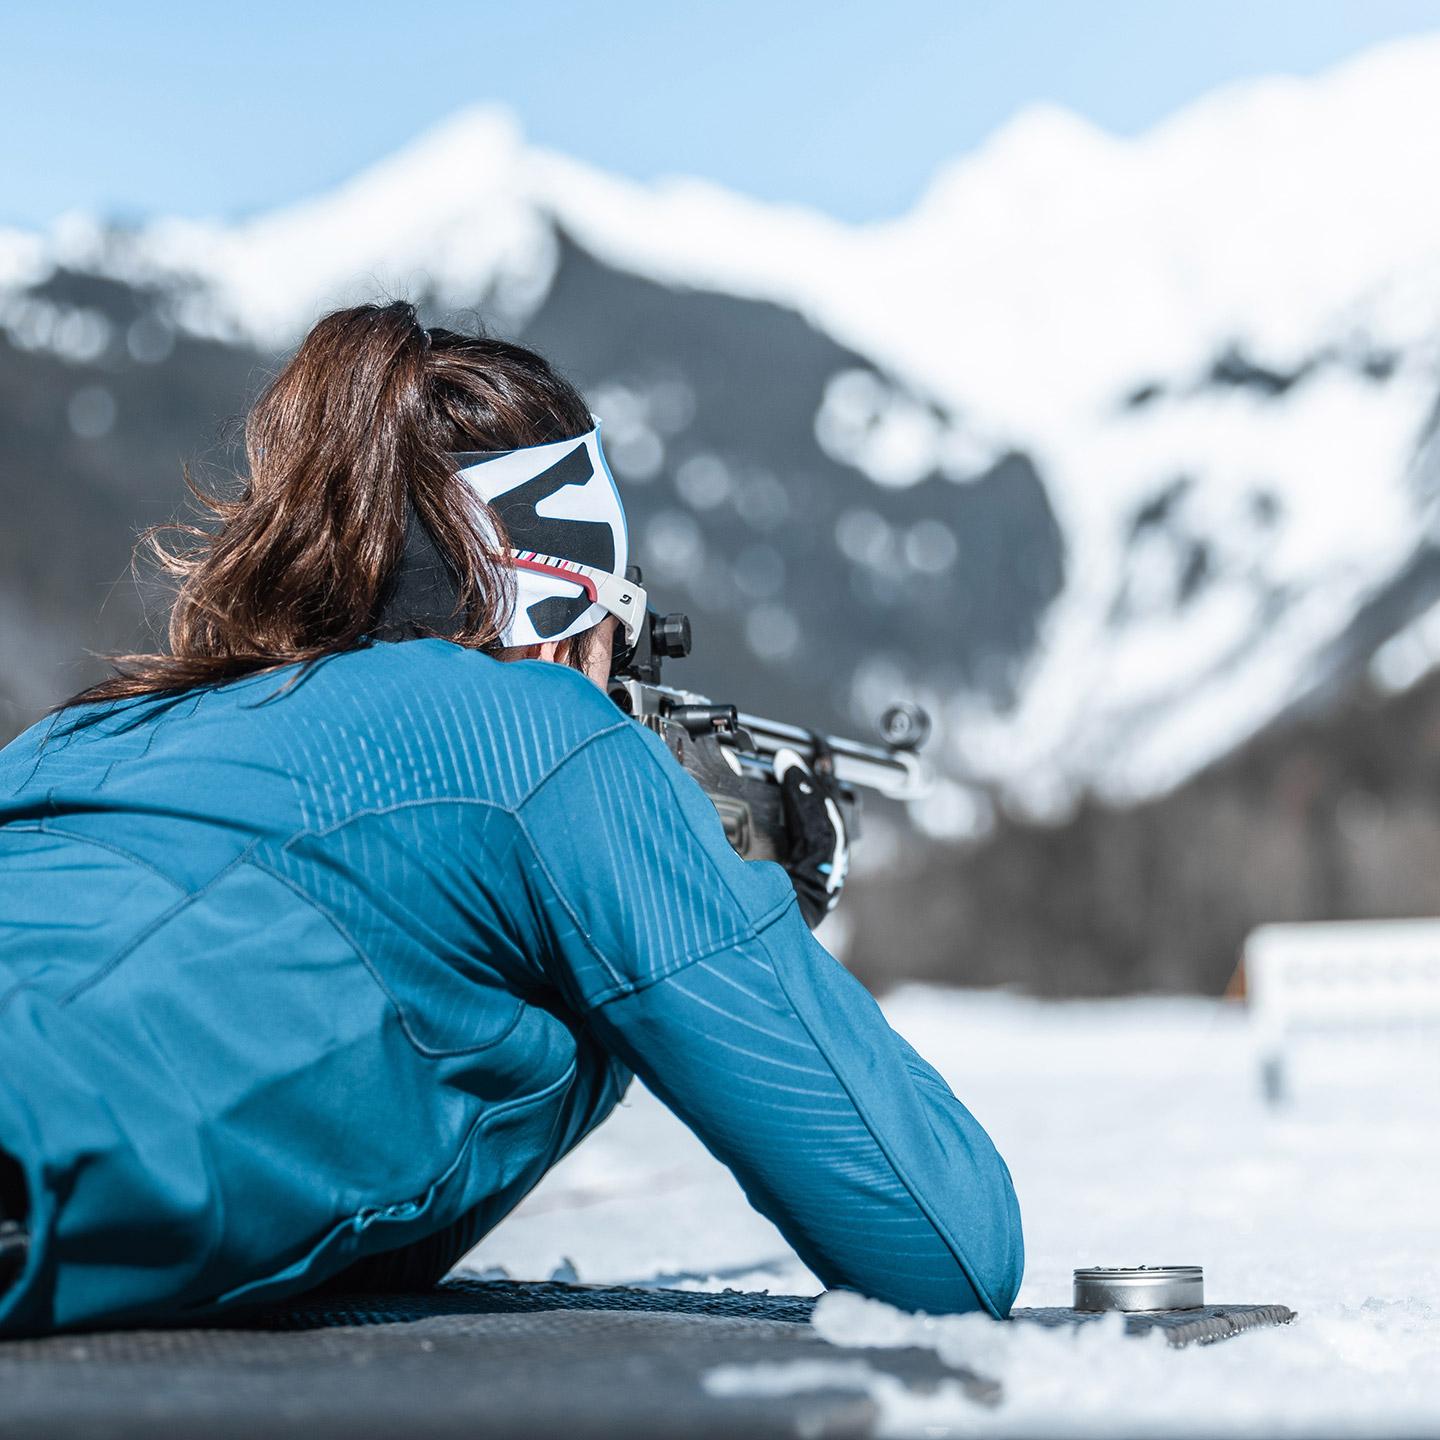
[625,599]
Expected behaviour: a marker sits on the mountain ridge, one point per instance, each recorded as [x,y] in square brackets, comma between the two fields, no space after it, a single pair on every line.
[1212,345]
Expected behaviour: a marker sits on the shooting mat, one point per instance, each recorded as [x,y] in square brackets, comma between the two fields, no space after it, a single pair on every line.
[482,1359]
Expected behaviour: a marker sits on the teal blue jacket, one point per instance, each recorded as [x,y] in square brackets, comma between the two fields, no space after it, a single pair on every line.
[307,979]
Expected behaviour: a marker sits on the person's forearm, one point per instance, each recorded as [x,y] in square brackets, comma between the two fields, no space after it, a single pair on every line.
[783,1064]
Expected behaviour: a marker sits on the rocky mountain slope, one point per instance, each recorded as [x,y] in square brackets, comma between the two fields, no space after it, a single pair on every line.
[1115,453]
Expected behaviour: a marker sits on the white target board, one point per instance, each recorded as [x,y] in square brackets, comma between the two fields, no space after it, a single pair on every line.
[1352,977]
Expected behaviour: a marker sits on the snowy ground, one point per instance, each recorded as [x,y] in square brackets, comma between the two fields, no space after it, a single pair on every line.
[1136,1134]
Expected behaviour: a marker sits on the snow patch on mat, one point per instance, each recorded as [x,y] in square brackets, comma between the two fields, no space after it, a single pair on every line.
[1355,1370]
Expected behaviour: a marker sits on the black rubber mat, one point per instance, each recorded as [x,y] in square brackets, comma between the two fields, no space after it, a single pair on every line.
[475,1359]
[481,1359]
[511,1297]
[526,1297]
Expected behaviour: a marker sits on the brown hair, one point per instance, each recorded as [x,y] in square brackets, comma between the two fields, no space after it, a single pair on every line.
[353,432]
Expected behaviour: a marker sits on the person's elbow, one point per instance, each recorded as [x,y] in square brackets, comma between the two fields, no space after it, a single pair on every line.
[985,1251]
[995,1252]
[951,1265]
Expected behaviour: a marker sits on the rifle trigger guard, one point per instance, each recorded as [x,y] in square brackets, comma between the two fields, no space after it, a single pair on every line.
[823,757]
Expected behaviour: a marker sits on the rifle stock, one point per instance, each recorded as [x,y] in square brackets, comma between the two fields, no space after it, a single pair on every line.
[731,753]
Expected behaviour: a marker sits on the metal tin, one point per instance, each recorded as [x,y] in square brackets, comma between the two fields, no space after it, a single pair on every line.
[1140,1287]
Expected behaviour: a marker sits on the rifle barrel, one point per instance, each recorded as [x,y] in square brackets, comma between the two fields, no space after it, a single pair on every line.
[896,773]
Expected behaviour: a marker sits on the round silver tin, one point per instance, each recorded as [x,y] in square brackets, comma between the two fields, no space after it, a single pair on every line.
[1140,1287]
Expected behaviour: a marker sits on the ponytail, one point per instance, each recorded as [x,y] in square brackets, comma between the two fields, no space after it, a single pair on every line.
[351,436]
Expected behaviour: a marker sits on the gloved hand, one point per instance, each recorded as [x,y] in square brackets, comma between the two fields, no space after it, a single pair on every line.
[819,847]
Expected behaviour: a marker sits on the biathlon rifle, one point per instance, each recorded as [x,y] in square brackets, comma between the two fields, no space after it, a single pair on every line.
[731,753]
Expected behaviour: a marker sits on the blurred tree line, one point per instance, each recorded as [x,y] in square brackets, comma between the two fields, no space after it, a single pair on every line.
[1327,816]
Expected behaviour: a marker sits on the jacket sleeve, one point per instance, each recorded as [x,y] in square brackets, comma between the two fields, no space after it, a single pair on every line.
[696,969]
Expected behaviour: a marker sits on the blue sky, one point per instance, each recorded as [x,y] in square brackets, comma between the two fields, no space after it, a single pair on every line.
[205,109]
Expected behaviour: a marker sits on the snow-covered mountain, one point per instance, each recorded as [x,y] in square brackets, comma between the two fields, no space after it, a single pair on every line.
[1111,450]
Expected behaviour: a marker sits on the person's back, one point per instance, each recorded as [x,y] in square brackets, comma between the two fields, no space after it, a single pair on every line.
[249,894]
[307,976]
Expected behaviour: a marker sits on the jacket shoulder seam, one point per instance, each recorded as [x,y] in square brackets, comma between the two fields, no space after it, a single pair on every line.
[317,832]
[668,779]
[619,984]
[566,758]
[757,928]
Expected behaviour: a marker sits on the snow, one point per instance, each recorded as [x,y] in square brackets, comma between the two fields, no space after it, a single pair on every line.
[451,213]
[1136,1133]
[1038,282]
[22,258]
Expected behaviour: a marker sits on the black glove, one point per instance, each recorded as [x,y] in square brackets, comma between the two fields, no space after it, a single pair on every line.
[819,848]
